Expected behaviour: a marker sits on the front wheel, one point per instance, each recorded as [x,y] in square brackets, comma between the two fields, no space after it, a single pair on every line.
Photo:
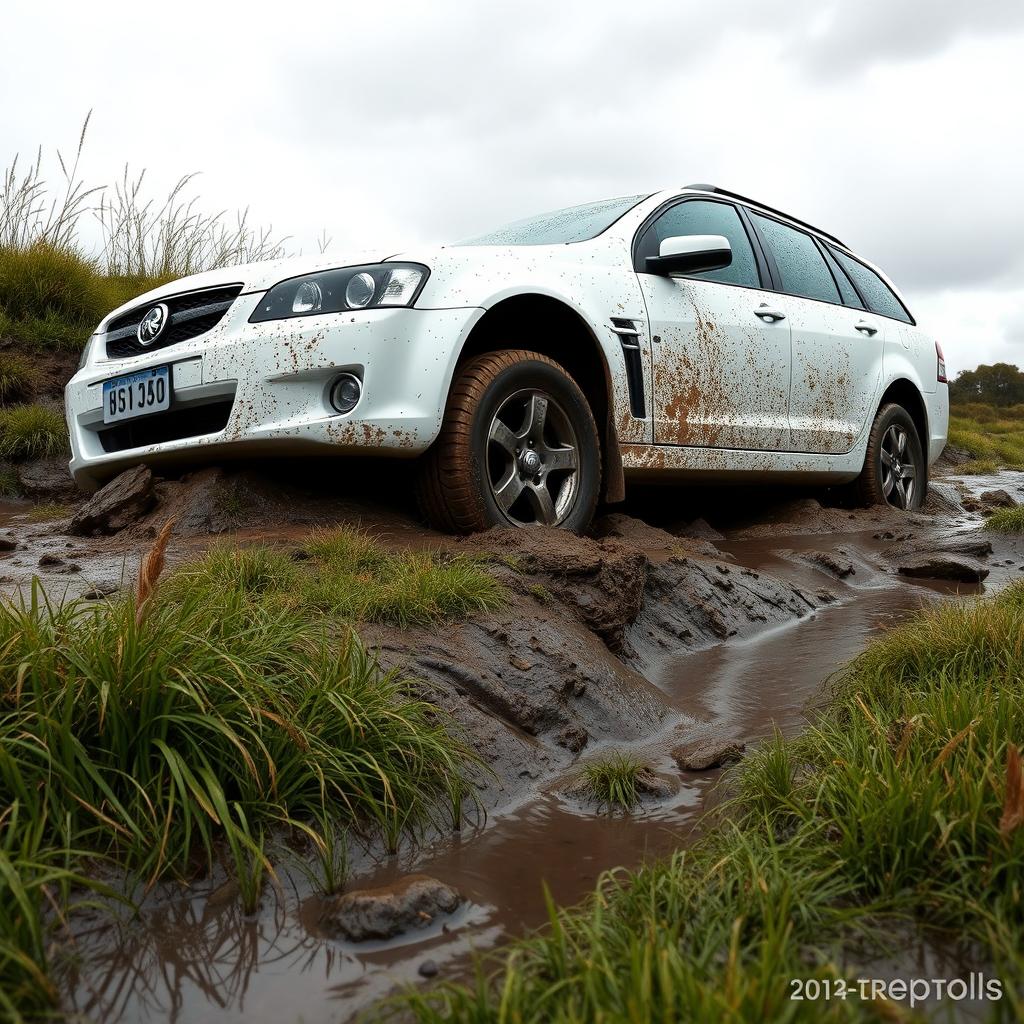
[894,471]
[518,447]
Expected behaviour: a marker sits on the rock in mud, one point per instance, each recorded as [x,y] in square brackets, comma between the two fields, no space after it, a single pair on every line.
[943,566]
[46,478]
[707,754]
[428,969]
[117,504]
[998,499]
[573,738]
[654,786]
[835,563]
[8,544]
[975,545]
[943,499]
[412,902]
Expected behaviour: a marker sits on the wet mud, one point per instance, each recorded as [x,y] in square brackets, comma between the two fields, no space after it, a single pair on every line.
[684,618]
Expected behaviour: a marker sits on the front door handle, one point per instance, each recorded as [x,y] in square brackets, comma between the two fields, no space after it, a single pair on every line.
[865,328]
[771,315]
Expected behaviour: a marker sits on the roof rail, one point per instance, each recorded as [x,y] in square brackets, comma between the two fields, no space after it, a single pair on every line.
[770,209]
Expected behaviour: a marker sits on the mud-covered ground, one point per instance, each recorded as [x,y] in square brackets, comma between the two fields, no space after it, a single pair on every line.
[688,616]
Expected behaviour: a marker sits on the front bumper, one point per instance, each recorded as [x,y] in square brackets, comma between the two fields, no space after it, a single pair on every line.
[246,389]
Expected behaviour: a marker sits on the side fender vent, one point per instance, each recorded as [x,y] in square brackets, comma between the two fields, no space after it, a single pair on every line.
[629,338]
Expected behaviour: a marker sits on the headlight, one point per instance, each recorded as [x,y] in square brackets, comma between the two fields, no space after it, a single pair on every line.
[335,291]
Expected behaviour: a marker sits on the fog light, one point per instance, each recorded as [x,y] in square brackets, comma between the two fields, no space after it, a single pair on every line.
[345,392]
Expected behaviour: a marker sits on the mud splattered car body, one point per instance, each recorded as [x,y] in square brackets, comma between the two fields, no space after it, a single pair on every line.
[771,365]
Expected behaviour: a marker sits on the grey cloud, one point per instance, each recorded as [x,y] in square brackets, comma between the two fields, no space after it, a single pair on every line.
[847,38]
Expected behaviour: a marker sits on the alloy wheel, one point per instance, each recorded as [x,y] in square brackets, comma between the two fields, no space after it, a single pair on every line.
[899,474]
[532,459]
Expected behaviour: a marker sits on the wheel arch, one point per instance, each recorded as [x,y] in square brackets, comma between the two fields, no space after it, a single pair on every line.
[551,326]
[904,392]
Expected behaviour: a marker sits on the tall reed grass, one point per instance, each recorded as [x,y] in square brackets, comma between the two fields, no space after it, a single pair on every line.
[54,287]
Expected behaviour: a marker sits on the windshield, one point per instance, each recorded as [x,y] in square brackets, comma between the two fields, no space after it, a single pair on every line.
[574,224]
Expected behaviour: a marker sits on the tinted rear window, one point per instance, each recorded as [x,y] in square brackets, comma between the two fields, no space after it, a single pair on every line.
[848,292]
[877,294]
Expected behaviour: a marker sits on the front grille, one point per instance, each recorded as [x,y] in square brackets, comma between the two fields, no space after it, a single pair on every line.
[191,420]
[189,315]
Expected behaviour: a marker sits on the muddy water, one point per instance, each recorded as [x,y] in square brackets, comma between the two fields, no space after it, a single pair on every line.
[194,957]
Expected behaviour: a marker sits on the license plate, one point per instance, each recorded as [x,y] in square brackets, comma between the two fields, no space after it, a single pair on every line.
[137,394]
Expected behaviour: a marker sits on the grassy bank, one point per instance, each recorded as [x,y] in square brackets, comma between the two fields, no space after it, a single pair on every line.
[200,724]
[994,436]
[347,575]
[900,812]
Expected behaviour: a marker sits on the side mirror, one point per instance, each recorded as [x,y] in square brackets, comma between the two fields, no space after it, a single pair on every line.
[690,254]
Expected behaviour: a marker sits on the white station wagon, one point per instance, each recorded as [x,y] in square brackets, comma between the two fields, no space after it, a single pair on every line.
[687,335]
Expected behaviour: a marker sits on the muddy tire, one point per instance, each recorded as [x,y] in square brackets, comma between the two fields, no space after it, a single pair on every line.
[518,447]
[895,472]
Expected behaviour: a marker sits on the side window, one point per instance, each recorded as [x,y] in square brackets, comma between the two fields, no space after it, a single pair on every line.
[846,290]
[801,265]
[699,217]
[877,294]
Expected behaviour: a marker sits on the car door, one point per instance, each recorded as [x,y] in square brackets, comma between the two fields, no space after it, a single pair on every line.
[836,344]
[721,359]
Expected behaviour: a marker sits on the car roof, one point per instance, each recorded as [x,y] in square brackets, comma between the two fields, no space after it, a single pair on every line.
[768,209]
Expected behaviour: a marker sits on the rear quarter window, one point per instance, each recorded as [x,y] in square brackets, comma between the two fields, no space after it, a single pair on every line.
[877,294]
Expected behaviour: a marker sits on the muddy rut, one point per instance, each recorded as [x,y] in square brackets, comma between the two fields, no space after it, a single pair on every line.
[667,628]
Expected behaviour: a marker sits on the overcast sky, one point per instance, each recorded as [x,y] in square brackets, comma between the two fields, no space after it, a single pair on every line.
[894,125]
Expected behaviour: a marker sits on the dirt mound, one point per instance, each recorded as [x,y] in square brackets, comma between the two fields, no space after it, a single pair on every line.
[652,539]
[600,581]
[693,602]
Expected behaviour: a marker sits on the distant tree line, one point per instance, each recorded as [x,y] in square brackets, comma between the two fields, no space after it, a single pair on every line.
[998,384]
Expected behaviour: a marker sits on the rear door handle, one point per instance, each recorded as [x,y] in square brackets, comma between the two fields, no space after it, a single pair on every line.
[771,315]
[865,328]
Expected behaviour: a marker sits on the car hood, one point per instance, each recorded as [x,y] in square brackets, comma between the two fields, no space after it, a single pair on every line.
[253,277]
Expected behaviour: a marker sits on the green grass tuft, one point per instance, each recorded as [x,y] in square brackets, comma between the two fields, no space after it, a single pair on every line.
[32,432]
[47,511]
[613,779]
[978,467]
[17,378]
[348,575]
[1006,520]
[42,282]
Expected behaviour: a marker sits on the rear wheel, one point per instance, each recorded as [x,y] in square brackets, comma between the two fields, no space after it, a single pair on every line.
[518,447]
[894,468]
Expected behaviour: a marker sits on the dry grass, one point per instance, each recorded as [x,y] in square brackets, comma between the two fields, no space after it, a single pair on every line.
[54,292]
[994,436]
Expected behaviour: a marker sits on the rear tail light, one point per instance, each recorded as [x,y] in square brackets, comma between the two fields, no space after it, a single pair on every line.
[941,364]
